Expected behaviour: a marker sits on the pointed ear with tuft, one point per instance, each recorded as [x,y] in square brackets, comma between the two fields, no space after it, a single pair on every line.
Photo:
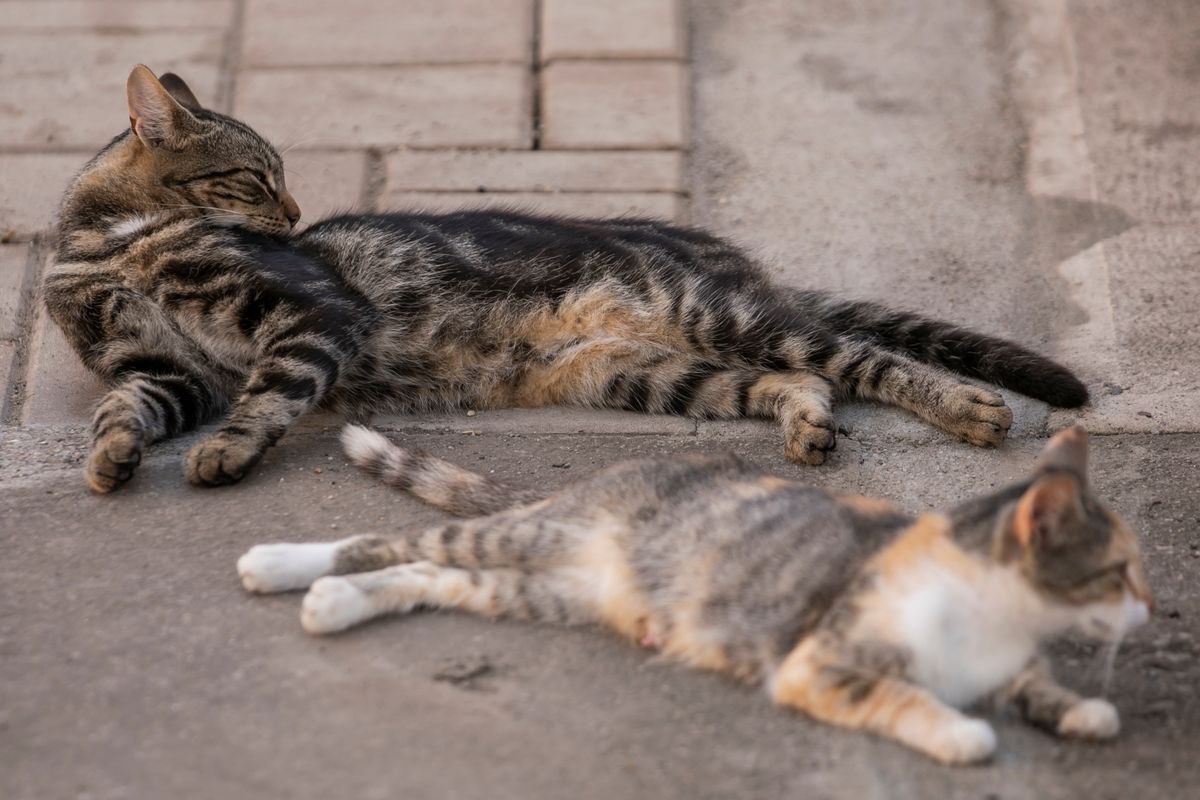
[1067,451]
[156,117]
[180,91]
[1047,510]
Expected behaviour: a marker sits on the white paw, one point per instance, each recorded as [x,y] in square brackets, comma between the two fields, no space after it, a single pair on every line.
[1090,719]
[963,741]
[268,568]
[333,604]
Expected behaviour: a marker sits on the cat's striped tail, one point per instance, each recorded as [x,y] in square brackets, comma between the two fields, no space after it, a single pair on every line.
[439,483]
[961,350]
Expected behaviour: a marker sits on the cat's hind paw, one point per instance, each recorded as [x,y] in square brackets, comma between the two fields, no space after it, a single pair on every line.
[334,604]
[114,457]
[1093,719]
[270,568]
[976,416]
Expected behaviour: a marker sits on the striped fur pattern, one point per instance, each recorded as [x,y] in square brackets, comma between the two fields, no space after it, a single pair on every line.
[179,280]
[843,607]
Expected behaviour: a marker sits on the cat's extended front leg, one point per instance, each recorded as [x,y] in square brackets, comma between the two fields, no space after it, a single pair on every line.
[143,409]
[832,687]
[1043,702]
[290,382]
[163,383]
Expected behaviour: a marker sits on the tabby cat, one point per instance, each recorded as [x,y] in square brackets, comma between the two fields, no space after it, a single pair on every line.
[844,607]
[178,279]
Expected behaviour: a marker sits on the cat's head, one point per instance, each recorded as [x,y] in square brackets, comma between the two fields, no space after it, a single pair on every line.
[1078,555]
[181,157]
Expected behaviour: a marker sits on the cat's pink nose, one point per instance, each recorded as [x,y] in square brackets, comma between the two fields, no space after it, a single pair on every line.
[291,208]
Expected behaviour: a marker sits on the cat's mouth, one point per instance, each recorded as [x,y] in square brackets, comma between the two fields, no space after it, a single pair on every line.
[1113,624]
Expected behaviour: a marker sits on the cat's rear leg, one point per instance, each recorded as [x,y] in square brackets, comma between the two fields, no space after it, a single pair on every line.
[499,540]
[938,396]
[831,687]
[336,603]
[803,404]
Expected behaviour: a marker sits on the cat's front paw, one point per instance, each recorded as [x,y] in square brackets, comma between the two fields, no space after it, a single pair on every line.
[221,459]
[113,459]
[1093,719]
[964,741]
[811,441]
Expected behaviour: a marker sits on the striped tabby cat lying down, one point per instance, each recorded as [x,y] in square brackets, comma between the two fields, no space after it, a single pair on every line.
[843,607]
[179,280]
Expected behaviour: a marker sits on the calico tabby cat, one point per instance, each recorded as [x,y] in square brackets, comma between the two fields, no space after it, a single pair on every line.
[178,280]
[842,606]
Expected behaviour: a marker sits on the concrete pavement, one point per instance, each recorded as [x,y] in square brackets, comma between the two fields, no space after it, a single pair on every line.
[1027,167]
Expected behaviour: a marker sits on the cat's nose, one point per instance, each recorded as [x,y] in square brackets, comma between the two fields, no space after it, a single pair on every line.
[291,209]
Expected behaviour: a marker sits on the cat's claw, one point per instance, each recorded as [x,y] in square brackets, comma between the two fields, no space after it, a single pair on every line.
[113,459]
[1094,719]
[964,741]
[333,604]
[221,459]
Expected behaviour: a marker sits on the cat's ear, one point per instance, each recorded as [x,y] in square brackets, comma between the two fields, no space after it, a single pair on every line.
[156,117]
[1048,511]
[180,91]
[1067,451]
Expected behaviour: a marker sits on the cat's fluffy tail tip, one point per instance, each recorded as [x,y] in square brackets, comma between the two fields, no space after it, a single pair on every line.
[364,446]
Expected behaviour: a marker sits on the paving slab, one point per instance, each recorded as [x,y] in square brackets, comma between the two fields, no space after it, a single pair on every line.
[59,390]
[325,183]
[307,32]
[625,104]
[14,260]
[128,643]
[31,189]
[427,106]
[613,29]
[573,204]
[54,102]
[541,170]
[126,15]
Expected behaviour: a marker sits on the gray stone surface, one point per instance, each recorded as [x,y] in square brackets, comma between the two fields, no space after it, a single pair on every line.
[128,644]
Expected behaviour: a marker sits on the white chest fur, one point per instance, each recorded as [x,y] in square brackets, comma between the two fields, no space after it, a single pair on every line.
[968,634]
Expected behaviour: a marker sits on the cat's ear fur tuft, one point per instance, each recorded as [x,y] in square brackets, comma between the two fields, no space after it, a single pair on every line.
[180,91]
[1067,451]
[1048,511]
[157,118]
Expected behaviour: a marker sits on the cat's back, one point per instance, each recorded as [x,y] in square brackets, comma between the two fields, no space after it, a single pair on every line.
[520,253]
[741,558]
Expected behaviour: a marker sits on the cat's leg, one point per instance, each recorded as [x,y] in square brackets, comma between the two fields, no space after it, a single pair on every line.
[803,404]
[828,685]
[633,376]
[938,396]
[305,348]
[163,386]
[1043,702]
[143,409]
[505,539]
[335,603]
